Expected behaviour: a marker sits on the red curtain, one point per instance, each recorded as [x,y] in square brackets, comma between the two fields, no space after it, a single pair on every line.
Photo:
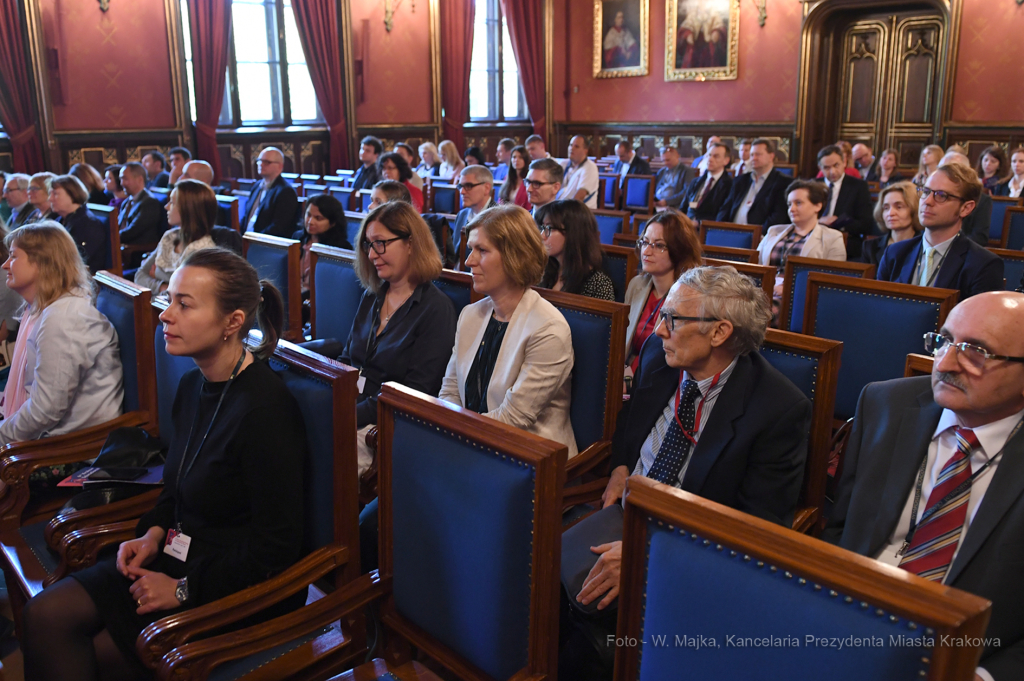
[210,23]
[526,30]
[317,22]
[17,106]
[457,18]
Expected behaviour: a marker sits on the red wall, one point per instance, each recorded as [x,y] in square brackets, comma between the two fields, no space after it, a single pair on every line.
[765,91]
[114,67]
[396,72]
[991,63]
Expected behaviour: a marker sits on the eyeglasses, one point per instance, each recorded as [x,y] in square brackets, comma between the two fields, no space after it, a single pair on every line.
[939,195]
[466,186]
[669,319]
[659,246]
[971,357]
[380,245]
[545,230]
[535,183]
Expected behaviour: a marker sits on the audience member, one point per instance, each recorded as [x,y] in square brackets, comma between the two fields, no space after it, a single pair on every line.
[629,163]
[387,191]
[942,256]
[977,224]
[178,157]
[570,236]
[502,154]
[847,206]
[272,203]
[895,217]
[743,158]
[141,217]
[887,171]
[543,182]
[993,168]
[581,180]
[430,164]
[406,152]
[11,304]
[66,371]
[670,181]
[200,171]
[476,185]
[238,501]
[513,190]
[39,197]
[5,207]
[865,162]
[931,155]
[191,213]
[947,431]
[16,195]
[323,223]
[758,197]
[668,246]
[529,388]
[701,162]
[391,166]
[93,183]
[745,450]
[846,149]
[1013,185]
[474,157]
[804,235]
[535,148]
[156,170]
[112,183]
[706,194]
[451,162]
[368,174]
[91,235]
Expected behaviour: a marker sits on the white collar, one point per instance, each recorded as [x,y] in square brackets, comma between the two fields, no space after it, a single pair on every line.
[991,436]
[940,248]
[718,176]
[838,183]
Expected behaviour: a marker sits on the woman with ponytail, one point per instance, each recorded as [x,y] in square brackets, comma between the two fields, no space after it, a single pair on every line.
[230,514]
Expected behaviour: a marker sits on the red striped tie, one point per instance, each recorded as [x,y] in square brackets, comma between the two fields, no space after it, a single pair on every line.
[931,551]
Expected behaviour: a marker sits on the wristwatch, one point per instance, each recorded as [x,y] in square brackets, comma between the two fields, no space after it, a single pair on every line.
[181,591]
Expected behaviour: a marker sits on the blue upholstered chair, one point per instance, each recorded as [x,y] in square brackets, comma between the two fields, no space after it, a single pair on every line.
[879,324]
[278,260]
[310,189]
[294,180]
[230,205]
[1013,229]
[638,194]
[763,276]
[333,181]
[747,255]
[459,287]
[999,206]
[608,196]
[364,199]
[774,601]
[812,364]
[353,221]
[334,292]
[344,194]
[794,285]
[1013,267]
[729,234]
[620,263]
[246,184]
[787,169]
[610,223]
[445,198]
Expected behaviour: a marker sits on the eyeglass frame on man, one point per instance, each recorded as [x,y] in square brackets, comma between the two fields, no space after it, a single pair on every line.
[468,186]
[669,319]
[367,245]
[962,348]
[941,197]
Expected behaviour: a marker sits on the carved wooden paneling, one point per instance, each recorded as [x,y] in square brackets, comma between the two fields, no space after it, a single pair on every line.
[977,138]
[102,150]
[864,63]
[304,152]
[487,138]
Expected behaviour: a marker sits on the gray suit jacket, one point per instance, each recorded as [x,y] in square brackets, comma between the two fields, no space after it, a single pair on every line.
[891,432]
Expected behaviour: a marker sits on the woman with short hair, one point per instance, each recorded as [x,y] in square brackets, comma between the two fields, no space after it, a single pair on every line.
[191,212]
[513,190]
[39,197]
[451,162]
[391,166]
[569,231]
[430,162]
[896,217]
[68,197]
[92,181]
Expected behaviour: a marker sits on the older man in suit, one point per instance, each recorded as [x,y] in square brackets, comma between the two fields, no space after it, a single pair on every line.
[629,163]
[944,256]
[273,206]
[670,182]
[933,476]
[708,415]
[706,194]
[848,206]
[759,196]
[16,192]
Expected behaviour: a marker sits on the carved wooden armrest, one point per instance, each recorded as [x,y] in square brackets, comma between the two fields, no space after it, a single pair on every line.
[196,660]
[371,438]
[80,548]
[125,509]
[166,634]
[805,520]
[588,460]
[586,493]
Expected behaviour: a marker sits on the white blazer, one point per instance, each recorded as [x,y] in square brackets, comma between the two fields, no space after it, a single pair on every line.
[823,242]
[530,385]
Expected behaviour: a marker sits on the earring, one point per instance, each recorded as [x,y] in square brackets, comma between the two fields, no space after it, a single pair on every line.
[225,338]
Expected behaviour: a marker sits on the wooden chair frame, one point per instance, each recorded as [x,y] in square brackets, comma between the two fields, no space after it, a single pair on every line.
[621,214]
[433,184]
[750,255]
[293,324]
[604,178]
[625,240]
[948,611]
[918,365]
[766,272]
[1008,254]
[632,259]
[637,222]
[647,208]
[232,202]
[856,269]
[1004,240]
[753,230]
[1010,203]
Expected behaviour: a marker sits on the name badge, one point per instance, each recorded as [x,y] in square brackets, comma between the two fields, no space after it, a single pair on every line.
[177,544]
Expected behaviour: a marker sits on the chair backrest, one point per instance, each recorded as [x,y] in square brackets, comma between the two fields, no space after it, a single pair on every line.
[127,307]
[246,184]
[637,222]
[470,525]
[230,204]
[599,345]
[459,287]
[345,174]
[747,255]
[444,198]
[313,189]
[625,240]
[999,206]
[293,179]
[1013,267]
[1013,229]
[794,285]
[812,364]
[309,177]
[334,292]
[170,369]
[610,223]
[346,195]
[608,196]
[878,322]
[774,600]
[278,260]
[788,169]
[620,264]
[918,365]
[110,214]
[364,199]
[333,180]
[729,234]
[638,193]
[763,276]
[353,221]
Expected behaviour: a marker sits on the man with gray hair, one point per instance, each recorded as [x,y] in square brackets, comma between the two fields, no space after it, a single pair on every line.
[16,193]
[273,206]
[707,414]
[476,185]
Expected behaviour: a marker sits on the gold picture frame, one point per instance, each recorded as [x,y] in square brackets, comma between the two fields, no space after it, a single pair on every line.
[711,29]
[617,51]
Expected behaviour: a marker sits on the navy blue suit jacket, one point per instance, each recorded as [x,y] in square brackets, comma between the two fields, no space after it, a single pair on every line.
[637,166]
[92,236]
[278,210]
[769,206]
[968,267]
[854,214]
[712,203]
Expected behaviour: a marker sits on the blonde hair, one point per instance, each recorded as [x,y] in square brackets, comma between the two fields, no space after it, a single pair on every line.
[935,149]
[402,220]
[51,249]
[430,148]
[449,153]
[909,191]
[515,236]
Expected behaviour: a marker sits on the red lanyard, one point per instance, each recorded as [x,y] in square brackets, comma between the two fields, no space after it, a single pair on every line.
[700,407]
[654,313]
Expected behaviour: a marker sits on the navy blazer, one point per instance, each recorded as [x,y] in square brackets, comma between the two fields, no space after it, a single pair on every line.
[278,210]
[769,205]
[637,166]
[143,221]
[751,453]
[92,236]
[712,203]
[968,267]
[892,429]
[854,214]
[366,177]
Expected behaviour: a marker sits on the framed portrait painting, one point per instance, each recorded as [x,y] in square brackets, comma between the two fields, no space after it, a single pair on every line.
[702,39]
[620,38]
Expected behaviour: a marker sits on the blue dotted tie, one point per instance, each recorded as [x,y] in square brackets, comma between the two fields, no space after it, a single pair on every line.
[675,449]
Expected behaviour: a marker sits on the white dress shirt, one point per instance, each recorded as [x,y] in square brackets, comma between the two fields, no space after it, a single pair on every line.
[625,167]
[1015,186]
[748,201]
[584,176]
[836,187]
